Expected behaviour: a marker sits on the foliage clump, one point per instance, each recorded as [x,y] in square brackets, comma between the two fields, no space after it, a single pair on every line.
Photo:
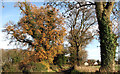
[40,28]
[33,67]
[60,60]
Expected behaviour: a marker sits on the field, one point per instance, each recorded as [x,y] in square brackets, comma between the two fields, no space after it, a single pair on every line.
[88,68]
[83,68]
[94,68]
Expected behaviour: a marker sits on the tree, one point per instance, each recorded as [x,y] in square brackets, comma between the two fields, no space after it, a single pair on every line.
[107,37]
[79,35]
[73,57]
[41,29]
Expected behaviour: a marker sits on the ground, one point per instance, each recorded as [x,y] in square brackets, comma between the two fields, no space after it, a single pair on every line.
[88,68]
[84,68]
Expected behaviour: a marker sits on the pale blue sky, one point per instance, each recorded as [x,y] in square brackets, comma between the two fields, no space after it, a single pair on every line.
[11,13]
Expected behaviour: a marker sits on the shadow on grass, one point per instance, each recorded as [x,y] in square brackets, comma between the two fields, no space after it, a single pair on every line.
[73,71]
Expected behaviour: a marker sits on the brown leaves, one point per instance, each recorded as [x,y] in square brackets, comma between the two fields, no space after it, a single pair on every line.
[43,28]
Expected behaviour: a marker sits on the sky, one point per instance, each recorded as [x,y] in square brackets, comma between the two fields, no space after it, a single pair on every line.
[11,13]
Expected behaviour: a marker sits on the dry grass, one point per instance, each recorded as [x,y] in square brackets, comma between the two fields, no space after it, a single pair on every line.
[88,68]
[82,68]
[91,68]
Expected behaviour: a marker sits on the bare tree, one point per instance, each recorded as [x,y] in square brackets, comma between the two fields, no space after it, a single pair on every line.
[80,22]
[107,37]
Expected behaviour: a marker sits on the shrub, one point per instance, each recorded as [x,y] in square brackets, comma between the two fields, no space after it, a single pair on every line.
[54,67]
[39,67]
[60,60]
[32,67]
[91,62]
[9,67]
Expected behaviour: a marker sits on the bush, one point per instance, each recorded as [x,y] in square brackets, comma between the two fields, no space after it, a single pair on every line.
[24,67]
[74,72]
[32,67]
[99,63]
[9,67]
[91,62]
[54,67]
[60,60]
[39,67]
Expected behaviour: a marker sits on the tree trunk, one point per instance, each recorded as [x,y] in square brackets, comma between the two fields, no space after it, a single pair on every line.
[78,64]
[107,39]
[106,45]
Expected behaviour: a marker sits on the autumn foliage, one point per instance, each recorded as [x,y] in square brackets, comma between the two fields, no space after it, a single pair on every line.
[40,28]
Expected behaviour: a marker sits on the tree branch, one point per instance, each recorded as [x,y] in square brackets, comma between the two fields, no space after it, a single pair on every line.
[99,9]
[109,7]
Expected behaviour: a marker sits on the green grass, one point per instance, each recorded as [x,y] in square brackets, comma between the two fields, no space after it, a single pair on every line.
[66,66]
[94,66]
[117,67]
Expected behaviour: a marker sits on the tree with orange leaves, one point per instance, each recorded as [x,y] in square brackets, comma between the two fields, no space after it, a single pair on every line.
[41,29]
